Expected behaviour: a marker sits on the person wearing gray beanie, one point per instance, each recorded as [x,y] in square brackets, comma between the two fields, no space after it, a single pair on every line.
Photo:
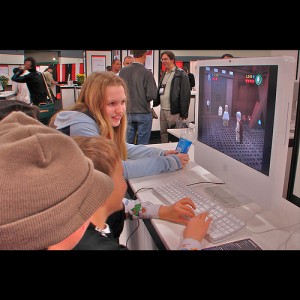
[49,189]
[106,158]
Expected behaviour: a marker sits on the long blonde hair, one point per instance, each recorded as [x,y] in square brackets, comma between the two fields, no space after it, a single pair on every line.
[92,98]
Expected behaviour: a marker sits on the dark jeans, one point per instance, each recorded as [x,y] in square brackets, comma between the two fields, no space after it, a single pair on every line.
[116,223]
[140,125]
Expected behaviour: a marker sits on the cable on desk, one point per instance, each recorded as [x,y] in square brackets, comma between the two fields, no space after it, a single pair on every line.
[205,182]
[134,195]
[286,241]
[138,224]
[290,235]
[269,230]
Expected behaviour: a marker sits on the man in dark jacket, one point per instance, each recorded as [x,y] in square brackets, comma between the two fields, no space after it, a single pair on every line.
[191,77]
[173,95]
[34,80]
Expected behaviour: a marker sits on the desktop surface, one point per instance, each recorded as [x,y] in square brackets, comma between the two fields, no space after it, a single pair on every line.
[269,230]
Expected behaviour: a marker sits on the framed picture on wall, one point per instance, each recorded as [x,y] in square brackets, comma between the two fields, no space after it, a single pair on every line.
[116,54]
[98,63]
[149,64]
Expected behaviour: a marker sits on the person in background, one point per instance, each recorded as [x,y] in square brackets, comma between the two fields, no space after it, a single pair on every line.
[173,95]
[226,55]
[33,79]
[8,106]
[116,66]
[142,90]
[191,77]
[50,81]
[128,60]
[42,211]
[106,158]
[108,68]
[101,110]
[21,89]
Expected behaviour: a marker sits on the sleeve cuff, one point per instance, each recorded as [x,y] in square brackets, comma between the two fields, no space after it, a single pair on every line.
[190,244]
[140,210]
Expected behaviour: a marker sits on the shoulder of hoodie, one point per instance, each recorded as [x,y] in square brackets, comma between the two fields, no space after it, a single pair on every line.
[78,115]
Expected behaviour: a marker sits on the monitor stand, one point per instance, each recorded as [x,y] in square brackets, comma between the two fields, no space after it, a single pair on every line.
[226,196]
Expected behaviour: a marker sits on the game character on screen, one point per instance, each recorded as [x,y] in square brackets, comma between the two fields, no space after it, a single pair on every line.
[225,116]
[239,128]
[220,111]
[208,105]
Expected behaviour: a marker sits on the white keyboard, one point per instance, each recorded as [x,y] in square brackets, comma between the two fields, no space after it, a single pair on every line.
[223,224]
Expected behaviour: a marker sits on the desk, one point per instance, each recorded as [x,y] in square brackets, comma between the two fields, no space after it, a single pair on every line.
[176,131]
[6,95]
[168,235]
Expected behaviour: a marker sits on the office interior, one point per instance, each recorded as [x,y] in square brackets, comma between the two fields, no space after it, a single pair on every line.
[158,234]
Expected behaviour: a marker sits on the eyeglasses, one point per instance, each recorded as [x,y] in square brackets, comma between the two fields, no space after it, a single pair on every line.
[165,59]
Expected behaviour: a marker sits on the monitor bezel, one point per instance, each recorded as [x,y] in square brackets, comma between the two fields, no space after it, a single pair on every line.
[266,190]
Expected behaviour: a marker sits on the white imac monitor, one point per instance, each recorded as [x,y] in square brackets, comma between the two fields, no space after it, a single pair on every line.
[247,146]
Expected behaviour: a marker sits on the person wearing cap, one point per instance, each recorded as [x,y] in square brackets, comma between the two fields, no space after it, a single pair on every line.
[106,158]
[51,208]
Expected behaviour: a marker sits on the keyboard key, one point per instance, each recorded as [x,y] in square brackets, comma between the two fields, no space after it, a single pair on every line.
[224,224]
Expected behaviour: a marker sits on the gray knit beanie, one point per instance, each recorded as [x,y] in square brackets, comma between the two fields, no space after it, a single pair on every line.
[49,188]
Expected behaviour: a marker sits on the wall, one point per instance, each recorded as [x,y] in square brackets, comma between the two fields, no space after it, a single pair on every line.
[8,59]
[70,60]
[43,57]
[219,53]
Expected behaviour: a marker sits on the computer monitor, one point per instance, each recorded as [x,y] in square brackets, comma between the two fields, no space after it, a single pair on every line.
[243,118]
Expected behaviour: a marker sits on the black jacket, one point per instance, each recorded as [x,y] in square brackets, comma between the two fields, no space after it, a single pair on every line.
[95,240]
[192,80]
[180,94]
[36,85]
